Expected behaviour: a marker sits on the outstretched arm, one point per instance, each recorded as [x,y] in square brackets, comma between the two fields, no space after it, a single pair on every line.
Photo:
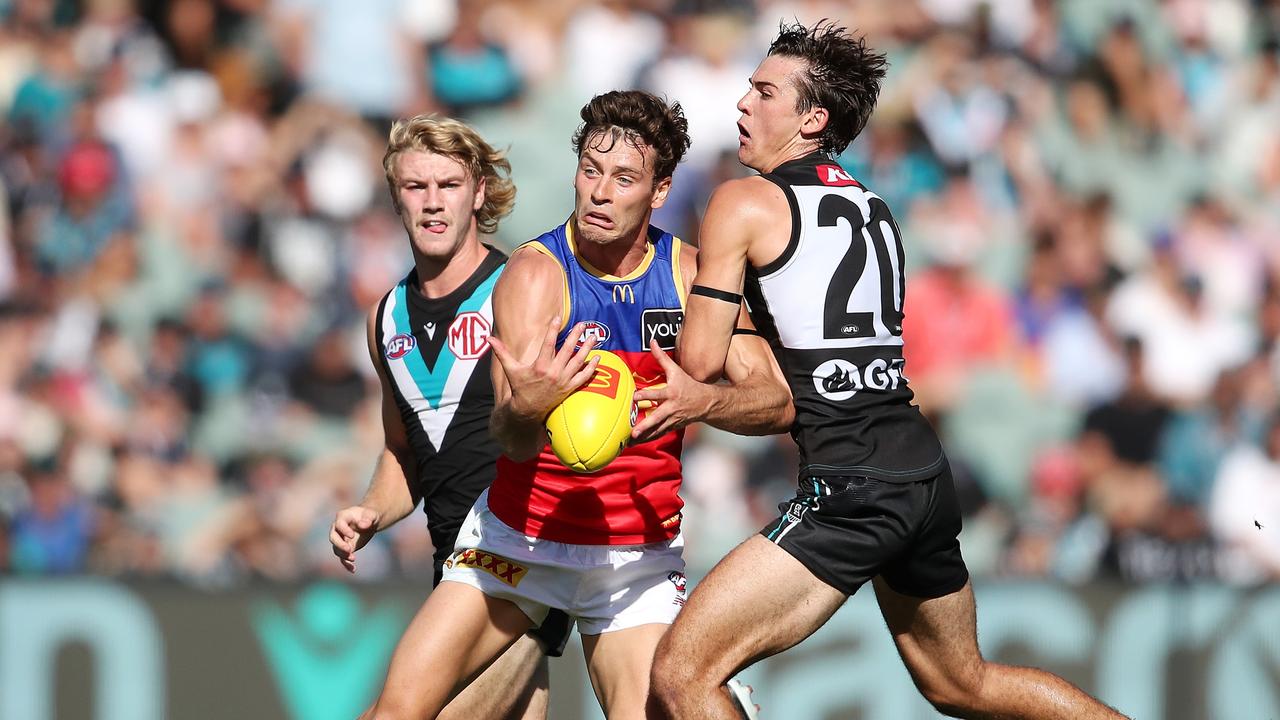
[393,492]
[530,377]
[755,400]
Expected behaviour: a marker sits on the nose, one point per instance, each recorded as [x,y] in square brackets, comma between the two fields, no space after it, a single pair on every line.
[600,192]
[742,102]
[433,199]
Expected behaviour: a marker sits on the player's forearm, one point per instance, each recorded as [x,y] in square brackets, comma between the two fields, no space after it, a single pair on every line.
[390,492]
[756,405]
[521,436]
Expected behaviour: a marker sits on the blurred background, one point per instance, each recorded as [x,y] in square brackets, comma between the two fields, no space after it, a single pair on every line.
[194,222]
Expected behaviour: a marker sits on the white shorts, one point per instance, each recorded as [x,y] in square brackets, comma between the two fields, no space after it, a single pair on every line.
[603,587]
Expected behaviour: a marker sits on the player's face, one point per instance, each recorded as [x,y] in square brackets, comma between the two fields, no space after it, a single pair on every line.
[769,124]
[437,199]
[614,189]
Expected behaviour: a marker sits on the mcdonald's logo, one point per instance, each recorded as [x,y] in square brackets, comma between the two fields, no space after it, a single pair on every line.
[605,382]
[624,293]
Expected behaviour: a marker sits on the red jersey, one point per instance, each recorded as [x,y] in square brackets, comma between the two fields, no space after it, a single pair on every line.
[635,499]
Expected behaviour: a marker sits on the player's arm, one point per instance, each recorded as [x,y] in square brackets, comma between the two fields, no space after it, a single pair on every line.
[394,491]
[530,377]
[738,210]
[754,399]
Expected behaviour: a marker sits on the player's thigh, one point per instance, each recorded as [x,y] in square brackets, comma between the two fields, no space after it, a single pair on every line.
[514,687]
[457,633]
[756,602]
[936,637]
[618,663]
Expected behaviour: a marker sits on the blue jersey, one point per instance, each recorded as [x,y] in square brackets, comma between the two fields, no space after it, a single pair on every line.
[635,499]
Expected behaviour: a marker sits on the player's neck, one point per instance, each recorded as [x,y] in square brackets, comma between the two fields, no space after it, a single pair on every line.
[438,277]
[792,151]
[619,258]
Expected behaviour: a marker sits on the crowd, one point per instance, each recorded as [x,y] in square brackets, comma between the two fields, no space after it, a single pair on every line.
[194,224]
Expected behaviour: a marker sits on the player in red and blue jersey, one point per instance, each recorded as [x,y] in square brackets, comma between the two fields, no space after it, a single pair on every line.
[604,547]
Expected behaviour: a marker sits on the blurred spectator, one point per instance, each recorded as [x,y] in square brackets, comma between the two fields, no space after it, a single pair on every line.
[52,534]
[467,70]
[1246,499]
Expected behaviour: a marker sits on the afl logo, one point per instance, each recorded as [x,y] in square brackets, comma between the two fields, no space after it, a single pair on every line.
[597,330]
[400,345]
[469,336]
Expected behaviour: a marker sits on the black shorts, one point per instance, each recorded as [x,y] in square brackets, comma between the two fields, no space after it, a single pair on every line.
[552,634]
[847,530]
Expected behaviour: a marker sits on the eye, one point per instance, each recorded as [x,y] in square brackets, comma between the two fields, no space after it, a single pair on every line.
[624,180]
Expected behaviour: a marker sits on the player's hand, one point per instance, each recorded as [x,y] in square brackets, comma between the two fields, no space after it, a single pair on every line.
[352,529]
[545,376]
[674,404]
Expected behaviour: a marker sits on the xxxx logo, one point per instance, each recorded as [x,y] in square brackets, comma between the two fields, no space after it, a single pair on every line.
[496,565]
[605,382]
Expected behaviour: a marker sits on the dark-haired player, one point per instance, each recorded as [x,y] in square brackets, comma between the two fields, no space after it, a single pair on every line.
[820,260]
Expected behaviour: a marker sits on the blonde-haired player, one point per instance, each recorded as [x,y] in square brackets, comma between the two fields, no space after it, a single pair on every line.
[428,339]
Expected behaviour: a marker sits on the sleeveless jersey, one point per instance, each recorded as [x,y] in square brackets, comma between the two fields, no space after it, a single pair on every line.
[435,352]
[832,305]
[635,498]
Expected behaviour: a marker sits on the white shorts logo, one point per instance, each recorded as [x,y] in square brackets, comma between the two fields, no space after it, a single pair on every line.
[838,379]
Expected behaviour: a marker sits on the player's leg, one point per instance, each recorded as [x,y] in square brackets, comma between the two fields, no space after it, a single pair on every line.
[457,633]
[758,601]
[514,687]
[618,663]
[937,639]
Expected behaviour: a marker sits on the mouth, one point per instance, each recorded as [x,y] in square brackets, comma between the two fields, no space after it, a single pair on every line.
[600,220]
[743,135]
[435,226]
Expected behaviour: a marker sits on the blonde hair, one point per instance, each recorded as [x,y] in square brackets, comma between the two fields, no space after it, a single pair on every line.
[455,139]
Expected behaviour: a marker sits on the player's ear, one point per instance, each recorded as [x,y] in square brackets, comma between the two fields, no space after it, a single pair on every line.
[479,199]
[660,192]
[815,121]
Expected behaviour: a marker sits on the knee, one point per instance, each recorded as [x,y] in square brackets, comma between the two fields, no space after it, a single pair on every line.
[674,683]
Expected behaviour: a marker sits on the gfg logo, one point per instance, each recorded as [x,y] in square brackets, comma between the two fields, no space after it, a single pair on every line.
[662,325]
[840,379]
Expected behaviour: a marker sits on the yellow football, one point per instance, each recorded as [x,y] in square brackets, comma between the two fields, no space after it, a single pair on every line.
[593,425]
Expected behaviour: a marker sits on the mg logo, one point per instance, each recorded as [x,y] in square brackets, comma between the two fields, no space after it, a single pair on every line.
[469,335]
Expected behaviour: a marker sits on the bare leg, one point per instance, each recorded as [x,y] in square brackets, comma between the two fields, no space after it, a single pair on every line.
[756,602]
[514,687]
[619,663]
[456,634]
[937,639]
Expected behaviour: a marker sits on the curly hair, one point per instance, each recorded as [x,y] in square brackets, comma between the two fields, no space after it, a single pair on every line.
[456,140]
[635,117]
[843,76]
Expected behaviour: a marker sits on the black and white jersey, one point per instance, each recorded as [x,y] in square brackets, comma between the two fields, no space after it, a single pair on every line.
[832,305]
[435,352]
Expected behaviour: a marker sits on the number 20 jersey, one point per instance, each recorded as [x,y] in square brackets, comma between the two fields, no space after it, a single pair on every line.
[832,305]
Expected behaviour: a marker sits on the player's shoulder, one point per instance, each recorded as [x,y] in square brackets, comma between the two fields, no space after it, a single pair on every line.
[530,266]
[747,199]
